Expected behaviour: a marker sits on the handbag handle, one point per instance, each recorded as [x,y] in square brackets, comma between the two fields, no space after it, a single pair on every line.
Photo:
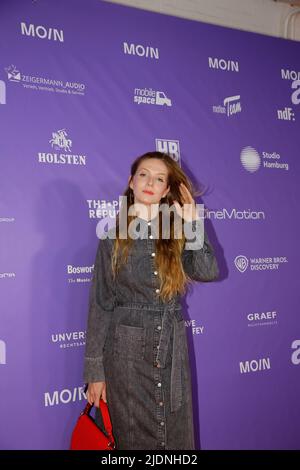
[105,415]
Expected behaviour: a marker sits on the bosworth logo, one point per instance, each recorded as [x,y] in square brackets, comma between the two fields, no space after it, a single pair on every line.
[251,160]
[223,64]
[171,147]
[44,83]
[84,271]
[42,32]
[141,51]
[231,105]
[60,141]
[259,264]
[149,96]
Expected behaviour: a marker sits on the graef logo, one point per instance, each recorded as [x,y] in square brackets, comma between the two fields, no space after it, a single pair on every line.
[255,365]
[60,141]
[296,354]
[141,51]
[251,160]
[296,93]
[231,105]
[235,214]
[149,96]
[64,396]
[2,352]
[262,318]
[287,74]
[2,92]
[42,32]
[223,64]
[171,147]
[241,263]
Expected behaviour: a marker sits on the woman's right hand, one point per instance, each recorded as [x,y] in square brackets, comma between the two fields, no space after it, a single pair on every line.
[95,391]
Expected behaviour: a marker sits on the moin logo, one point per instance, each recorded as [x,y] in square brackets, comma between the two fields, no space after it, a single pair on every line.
[64,396]
[42,32]
[171,147]
[2,92]
[149,96]
[61,141]
[251,160]
[141,51]
[255,365]
[231,105]
[2,352]
[227,65]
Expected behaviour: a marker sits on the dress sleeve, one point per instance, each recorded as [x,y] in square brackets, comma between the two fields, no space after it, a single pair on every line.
[101,306]
[198,258]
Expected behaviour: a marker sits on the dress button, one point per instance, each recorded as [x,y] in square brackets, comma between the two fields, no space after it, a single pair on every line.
[153,254]
[159,327]
[162,443]
[155,272]
[162,423]
[161,403]
[159,384]
[157,291]
[150,236]
[148,223]
[158,365]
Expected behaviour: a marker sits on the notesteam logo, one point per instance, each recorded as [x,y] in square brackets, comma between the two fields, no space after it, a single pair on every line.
[32,82]
[251,160]
[42,32]
[149,96]
[242,263]
[83,270]
[148,52]
[227,65]
[171,147]
[2,92]
[60,141]
[231,106]
[71,339]
[255,365]
[65,396]
[2,352]
[262,318]
[295,358]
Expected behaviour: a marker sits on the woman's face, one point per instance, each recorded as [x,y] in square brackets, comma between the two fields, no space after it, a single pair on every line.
[150,182]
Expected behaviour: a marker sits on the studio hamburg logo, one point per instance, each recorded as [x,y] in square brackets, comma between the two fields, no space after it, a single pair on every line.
[241,263]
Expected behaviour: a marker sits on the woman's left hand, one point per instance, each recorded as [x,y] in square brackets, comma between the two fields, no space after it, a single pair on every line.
[188,212]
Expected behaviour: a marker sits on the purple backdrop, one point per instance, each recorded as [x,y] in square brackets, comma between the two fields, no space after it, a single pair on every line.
[87,86]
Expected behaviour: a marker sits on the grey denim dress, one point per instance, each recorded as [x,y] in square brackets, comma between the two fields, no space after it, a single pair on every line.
[137,344]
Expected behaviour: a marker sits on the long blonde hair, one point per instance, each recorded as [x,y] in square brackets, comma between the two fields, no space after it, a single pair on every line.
[173,279]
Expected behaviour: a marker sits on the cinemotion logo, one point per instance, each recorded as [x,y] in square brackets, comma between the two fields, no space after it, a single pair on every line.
[2,352]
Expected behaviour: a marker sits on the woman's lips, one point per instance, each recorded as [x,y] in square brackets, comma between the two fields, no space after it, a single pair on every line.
[148,192]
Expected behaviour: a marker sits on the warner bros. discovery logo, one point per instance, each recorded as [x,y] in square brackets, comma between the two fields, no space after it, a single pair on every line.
[241,263]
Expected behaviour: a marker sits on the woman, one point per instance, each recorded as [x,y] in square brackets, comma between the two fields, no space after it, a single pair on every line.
[136,347]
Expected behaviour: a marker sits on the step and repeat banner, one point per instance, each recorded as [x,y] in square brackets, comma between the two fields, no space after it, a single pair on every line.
[86,87]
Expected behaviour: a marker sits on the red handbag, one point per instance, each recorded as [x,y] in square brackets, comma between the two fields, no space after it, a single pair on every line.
[88,436]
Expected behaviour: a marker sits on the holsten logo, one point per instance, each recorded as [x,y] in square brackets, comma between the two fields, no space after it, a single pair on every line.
[2,352]
[171,147]
[262,318]
[231,105]
[255,365]
[149,96]
[42,32]
[64,396]
[251,160]
[259,264]
[141,51]
[60,141]
[296,354]
[2,92]
[228,65]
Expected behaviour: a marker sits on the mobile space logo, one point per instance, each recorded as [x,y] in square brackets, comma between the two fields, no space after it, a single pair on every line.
[252,161]
[242,263]
[148,52]
[149,96]
[2,92]
[42,32]
[61,141]
[36,83]
[170,147]
[231,106]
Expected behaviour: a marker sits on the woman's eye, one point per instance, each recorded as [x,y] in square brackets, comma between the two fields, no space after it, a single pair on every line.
[142,174]
[160,179]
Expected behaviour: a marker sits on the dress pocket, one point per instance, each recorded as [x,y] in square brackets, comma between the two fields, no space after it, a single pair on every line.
[129,342]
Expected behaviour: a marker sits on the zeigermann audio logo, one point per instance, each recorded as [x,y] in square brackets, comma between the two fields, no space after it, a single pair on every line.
[227,65]
[64,397]
[255,365]
[47,84]
[268,318]
[230,107]
[148,52]
[71,339]
[152,97]
[61,141]
[295,358]
[79,274]
[252,161]
[171,147]
[242,263]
